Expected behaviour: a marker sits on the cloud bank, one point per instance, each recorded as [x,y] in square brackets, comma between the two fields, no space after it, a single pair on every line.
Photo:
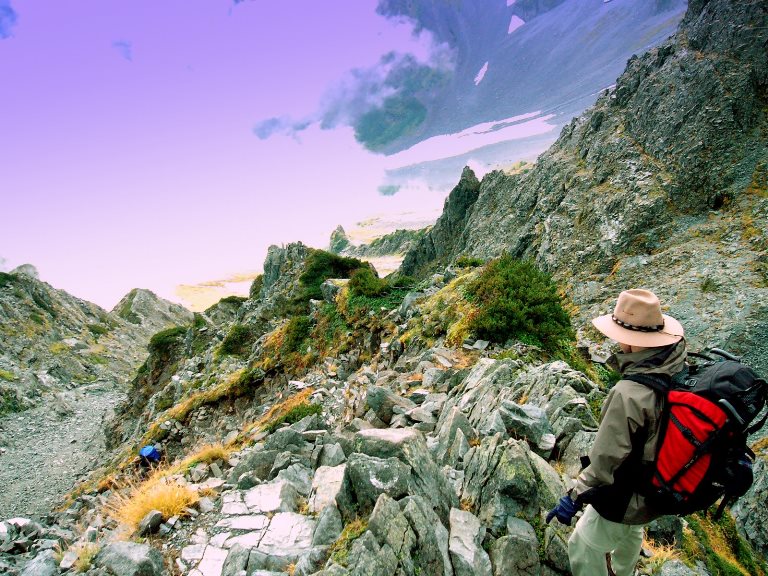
[8,19]
[385,101]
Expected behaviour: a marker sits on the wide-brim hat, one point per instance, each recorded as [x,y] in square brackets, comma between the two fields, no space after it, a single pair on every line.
[637,321]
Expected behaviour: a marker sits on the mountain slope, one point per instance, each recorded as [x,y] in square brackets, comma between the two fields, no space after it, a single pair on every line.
[662,184]
[50,340]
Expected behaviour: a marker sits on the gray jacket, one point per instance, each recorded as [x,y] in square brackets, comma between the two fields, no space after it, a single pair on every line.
[625,446]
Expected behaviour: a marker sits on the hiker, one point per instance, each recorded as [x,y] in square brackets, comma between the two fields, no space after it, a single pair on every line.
[609,534]
[149,457]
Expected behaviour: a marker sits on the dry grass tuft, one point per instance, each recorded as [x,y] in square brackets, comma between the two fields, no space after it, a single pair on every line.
[206,454]
[159,492]
[660,554]
[278,410]
[466,505]
[85,556]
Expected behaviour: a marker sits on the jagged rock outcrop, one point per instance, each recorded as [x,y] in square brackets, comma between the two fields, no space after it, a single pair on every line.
[662,184]
[393,244]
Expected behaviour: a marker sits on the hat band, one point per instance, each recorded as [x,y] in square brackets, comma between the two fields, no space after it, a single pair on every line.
[657,328]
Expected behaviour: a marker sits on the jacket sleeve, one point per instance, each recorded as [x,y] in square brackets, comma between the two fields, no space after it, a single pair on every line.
[628,411]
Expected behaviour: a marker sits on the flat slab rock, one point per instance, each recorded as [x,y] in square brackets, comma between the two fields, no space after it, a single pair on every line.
[285,533]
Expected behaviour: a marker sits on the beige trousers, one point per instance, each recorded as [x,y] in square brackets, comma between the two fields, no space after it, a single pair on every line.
[594,537]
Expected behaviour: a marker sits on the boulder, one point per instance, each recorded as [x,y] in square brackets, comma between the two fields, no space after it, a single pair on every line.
[130,559]
[499,481]
[329,526]
[750,511]
[432,537]
[326,485]
[150,523]
[278,496]
[466,545]
[446,433]
[367,557]
[516,554]
[258,462]
[366,478]
[383,402]
[409,446]
[390,526]
[44,564]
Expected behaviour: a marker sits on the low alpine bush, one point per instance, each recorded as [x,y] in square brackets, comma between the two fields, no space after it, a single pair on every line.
[237,341]
[516,300]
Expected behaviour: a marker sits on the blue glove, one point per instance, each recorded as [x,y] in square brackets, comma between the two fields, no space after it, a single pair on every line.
[564,511]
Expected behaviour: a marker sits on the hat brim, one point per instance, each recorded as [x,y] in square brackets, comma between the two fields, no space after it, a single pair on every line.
[673,332]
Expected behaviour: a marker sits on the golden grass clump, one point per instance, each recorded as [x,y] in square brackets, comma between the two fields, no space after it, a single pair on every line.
[159,492]
[206,454]
[339,550]
[278,410]
[660,554]
[85,555]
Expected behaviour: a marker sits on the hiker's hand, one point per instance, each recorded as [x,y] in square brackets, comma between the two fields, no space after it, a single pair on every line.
[564,511]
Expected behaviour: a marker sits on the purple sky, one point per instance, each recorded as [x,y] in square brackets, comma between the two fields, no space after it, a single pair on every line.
[128,151]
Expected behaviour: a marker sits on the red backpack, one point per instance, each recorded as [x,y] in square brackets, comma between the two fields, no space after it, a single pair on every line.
[702,453]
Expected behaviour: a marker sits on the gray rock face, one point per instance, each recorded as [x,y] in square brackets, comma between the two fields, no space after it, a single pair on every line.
[383,402]
[499,481]
[129,559]
[440,243]
[366,478]
[409,447]
[517,553]
[465,545]
[750,511]
[329,527]
[42,565]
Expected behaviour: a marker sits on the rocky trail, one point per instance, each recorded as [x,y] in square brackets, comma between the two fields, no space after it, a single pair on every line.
[45,450]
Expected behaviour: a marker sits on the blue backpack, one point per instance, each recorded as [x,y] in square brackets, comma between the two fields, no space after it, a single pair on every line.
[149,455]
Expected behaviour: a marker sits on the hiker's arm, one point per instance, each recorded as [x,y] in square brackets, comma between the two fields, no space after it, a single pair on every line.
[626,410]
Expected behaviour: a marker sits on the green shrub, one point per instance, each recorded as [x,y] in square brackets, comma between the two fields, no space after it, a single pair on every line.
[162,342]
[37,318]
[401,281]
[98,329]
[339,550]
[236,300]
[294,415]
[364,282]
[7,279]
[518,301]
[709,285]
[469,262]
[237,341]
[319,267]
[296,332]
[9,401]
[126,309]
[6,375]
[255,290]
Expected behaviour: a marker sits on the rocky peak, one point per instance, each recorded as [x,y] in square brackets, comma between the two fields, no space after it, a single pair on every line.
[145,308]
[438,245]
[339,240]
[27,270]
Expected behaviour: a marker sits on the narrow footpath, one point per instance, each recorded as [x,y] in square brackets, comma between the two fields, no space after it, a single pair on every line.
[43,451]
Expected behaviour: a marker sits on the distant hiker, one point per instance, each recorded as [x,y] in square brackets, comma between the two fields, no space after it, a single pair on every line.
[610,532]
[149,456]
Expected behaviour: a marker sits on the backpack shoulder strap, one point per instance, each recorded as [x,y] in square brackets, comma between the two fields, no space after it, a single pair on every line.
[660,382]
